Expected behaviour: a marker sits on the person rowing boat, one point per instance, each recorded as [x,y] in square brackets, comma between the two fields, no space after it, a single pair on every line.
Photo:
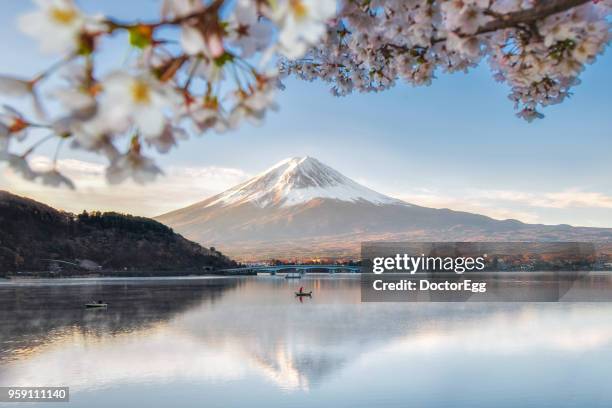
[301,292]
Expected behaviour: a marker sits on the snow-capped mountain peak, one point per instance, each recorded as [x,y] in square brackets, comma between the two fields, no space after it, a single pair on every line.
[301,208]
[296,181]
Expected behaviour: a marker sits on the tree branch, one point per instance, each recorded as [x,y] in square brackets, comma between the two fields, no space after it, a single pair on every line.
[541,10]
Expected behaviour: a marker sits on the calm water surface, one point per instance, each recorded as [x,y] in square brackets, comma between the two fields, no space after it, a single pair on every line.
[236,342]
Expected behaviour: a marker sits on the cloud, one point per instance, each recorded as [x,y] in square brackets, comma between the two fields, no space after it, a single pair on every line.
[569,198]
[503,204]
[179,187]
[576,199]
[462,201]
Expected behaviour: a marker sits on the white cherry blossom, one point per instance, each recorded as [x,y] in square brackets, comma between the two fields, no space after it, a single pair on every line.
[168,138]
[374,43]
[54,178]
[79,95]
[194,41]
[208,116]
[227,64]
[19,165]
[141,101]
[247,29]
[132,165]
[180,8]
[302,23]
[57,24]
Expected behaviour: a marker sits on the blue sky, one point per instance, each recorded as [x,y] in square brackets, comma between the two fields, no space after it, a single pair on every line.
[453,144]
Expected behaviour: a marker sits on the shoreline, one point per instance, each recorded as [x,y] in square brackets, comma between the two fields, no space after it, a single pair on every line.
[120,274]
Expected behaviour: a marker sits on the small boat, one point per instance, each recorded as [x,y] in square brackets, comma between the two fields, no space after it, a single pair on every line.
[303,293]
[95,304]
[293,276]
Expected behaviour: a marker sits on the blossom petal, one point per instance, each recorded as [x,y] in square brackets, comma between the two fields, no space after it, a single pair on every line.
[192,41]
[54,178]
[150,122]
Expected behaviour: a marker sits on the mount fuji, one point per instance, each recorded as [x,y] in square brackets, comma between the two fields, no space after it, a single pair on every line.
[302,208]
[297,181]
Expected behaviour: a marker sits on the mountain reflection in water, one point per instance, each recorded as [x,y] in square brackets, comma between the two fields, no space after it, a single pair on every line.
[238,341]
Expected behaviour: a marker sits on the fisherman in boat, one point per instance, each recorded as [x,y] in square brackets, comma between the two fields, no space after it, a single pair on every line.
[96,303]
[301,293]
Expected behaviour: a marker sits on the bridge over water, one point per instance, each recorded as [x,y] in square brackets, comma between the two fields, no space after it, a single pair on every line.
[273,269]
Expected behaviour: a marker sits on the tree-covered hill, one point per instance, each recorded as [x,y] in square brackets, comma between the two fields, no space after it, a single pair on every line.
[33,234]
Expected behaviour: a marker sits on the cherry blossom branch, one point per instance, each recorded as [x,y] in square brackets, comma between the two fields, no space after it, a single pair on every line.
[211,9]
[539,57]
[222,69]
[541,10]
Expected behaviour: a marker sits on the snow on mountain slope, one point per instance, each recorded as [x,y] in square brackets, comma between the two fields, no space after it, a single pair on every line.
[301,207]
[296,181]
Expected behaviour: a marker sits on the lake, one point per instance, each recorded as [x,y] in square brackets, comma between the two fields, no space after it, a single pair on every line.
[248,341]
